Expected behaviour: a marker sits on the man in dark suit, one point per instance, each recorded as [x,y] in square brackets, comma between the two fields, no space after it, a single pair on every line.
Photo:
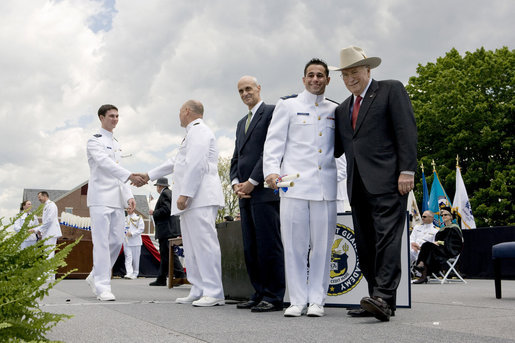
[259,207]
[166,226]
[375,128]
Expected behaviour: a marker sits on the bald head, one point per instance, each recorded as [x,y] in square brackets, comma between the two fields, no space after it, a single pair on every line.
[427,217]
[249,91]
[190,110]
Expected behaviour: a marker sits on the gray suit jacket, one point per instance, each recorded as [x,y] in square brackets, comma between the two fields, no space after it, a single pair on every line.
[384,142]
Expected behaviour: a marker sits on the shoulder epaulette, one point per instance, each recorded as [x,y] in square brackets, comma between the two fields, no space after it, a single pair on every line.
[196,124]
[289,96]
[98,135]
[337,103]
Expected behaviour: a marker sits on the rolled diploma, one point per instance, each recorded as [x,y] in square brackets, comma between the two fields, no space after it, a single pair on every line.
[289,178]
[281,184]
[285,184]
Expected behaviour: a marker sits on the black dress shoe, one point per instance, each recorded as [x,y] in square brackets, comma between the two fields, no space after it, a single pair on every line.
[359,312]
[265,306]
[157,283]
[378,307]
[247,305]
[421,280]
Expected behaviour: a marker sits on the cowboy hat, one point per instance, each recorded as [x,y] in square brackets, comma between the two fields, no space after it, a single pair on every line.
[162,181]
[354,57]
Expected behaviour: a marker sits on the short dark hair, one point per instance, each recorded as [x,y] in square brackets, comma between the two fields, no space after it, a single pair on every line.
[104,108]
[23,204]
[317,61]
[44,193]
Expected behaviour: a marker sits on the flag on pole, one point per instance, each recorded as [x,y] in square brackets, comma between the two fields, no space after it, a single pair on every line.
[416,219]
[425,194]
[437,198]
[461,204]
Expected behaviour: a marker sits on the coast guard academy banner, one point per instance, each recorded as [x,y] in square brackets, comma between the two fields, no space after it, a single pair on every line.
[347,284]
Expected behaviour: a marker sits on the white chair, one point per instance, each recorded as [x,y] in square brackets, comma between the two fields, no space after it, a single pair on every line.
[444,278]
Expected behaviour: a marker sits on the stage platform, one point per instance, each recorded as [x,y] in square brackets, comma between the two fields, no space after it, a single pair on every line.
[440,313]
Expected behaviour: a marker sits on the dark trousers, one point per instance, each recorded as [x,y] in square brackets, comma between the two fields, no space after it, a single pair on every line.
[378,225]
[263,250]
[164,251]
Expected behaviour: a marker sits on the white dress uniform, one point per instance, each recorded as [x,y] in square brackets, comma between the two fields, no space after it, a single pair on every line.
[342,203]
[32,239]
[195,175]
[50,227]
[132,245]
[420,234]
[300,140]
[108,195]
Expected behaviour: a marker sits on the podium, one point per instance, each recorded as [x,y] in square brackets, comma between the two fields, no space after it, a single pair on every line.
[80,257]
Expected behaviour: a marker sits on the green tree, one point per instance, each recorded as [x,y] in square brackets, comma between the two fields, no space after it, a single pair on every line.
[24,280]
[465,105]
[231,200]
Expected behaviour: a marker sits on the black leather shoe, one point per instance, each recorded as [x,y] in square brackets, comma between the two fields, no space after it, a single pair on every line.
[265,306]
[247,305]
[157,283]
[378,307]
[359,312]
[421,280]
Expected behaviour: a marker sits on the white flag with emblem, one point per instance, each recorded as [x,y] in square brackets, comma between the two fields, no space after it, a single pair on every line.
[461,203]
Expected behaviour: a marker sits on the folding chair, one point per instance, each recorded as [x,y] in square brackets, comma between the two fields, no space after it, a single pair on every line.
[444,278]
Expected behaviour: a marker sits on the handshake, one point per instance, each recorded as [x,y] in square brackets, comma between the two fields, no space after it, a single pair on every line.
[139,179]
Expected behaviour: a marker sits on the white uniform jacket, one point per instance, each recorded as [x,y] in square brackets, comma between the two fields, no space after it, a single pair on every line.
[20,221]
[135,226]
[423,233]
[300,140]
[195,169]
[107,179]
[50,226]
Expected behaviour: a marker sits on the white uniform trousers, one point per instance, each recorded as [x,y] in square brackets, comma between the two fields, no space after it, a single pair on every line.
[307,226]
[202,252]
[26,243]
[52,242]
[107,232]
[132,254]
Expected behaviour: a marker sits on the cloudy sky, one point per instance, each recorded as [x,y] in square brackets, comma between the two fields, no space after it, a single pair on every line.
[61,60]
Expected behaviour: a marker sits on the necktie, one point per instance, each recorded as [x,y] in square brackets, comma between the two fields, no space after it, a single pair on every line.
[355,111]
[249,116]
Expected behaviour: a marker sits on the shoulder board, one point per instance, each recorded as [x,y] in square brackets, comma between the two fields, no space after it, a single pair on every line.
[289,96]
[337,103]
[196,124]
[98,135]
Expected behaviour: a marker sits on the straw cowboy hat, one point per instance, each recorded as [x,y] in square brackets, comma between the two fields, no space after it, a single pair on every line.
[354,57]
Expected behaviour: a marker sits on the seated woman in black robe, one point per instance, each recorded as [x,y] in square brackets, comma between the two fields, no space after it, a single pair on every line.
[448,243]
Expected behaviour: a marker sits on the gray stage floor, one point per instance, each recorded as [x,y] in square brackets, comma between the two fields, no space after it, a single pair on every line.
[440,313]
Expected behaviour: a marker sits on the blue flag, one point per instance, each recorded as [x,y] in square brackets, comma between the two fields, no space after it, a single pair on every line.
[425,194]
[438,199]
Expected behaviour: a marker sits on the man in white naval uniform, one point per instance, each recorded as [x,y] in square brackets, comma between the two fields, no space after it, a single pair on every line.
[300,140]
[422,233]
[50,227]
[108,195]
[134,227]
[196,197]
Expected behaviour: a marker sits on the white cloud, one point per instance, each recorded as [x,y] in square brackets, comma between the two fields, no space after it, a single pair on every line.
[62,59]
